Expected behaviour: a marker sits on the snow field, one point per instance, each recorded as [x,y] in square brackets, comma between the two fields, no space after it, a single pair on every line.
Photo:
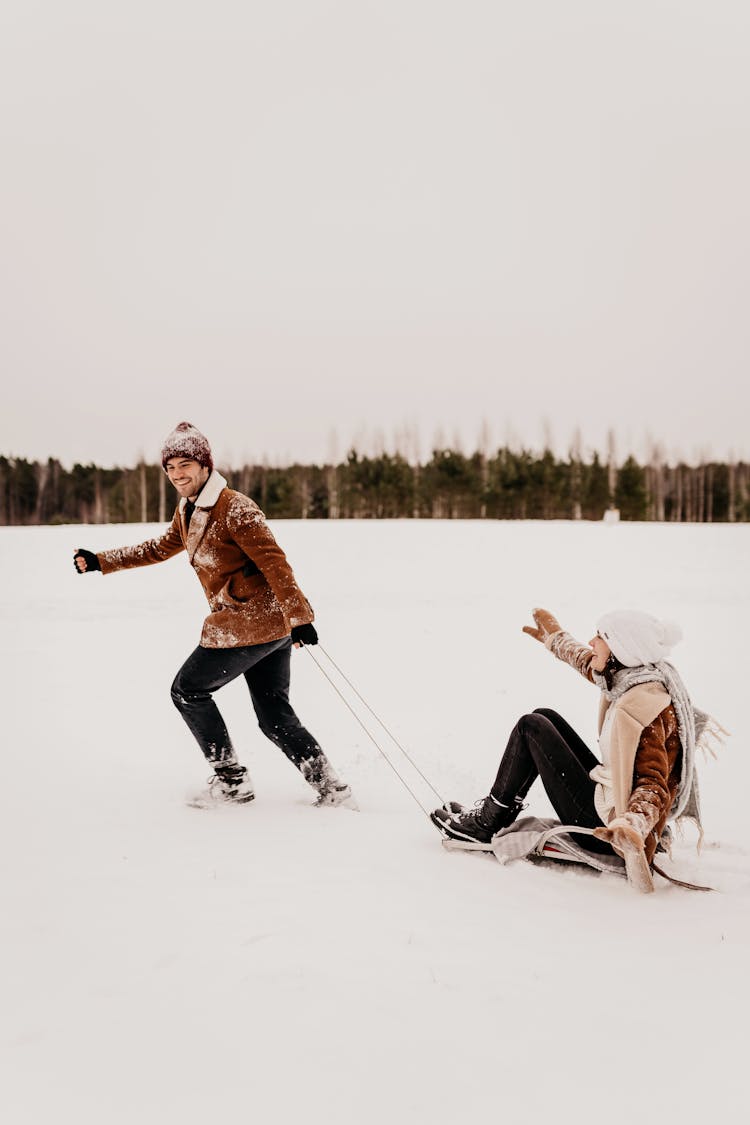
[163,964]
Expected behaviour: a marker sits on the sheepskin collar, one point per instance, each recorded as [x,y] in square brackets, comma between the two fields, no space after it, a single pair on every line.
[210,492]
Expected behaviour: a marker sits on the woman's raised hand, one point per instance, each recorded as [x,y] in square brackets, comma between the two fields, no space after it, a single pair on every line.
[546,625]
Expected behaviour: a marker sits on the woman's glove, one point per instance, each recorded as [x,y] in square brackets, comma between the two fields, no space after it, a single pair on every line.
[304,635]
[89,559]
[546,625]
[624,833]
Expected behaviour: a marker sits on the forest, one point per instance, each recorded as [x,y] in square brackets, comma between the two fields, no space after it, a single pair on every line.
[508,484]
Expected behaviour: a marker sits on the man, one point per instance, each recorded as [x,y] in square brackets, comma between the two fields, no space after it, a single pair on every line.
[257,613]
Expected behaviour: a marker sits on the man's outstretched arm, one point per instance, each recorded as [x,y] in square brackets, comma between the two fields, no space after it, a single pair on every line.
[124,558]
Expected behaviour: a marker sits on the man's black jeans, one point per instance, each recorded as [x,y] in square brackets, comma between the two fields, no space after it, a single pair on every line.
[543,745]
[266,670]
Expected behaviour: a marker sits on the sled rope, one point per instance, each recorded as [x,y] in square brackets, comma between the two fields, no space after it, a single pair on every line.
[377,718]
[374,741]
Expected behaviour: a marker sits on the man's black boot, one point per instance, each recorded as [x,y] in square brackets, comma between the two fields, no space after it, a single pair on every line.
[229,785]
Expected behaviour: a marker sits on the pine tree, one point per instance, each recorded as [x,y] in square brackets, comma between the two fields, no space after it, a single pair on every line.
[631,496]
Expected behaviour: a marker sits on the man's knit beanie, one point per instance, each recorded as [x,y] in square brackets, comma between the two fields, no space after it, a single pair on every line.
[638,638]
[186,441]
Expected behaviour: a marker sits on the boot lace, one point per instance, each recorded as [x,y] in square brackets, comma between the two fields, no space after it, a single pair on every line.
[473,815]
[224,785]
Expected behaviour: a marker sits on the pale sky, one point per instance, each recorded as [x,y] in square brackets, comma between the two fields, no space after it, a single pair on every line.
[302,224]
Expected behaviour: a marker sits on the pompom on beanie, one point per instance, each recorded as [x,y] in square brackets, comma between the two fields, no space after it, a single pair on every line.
[637,638]
[186,441]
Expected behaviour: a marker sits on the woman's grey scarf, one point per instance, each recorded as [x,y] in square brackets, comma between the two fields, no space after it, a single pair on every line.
[695,728]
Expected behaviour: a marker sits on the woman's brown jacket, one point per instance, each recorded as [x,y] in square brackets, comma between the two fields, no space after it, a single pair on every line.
[250,587]
[648,750]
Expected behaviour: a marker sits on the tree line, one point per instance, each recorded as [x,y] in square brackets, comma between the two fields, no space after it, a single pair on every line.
[451,485]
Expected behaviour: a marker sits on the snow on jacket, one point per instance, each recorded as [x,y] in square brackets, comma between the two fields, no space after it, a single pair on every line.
[250,587]
[640,745]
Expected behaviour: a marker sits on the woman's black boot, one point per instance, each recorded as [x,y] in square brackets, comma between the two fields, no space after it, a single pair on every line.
[479,824]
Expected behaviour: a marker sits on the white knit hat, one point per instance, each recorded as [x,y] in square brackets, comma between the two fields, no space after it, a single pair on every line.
[637,638]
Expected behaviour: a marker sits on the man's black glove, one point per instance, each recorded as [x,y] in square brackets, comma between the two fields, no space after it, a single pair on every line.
[92,562]
[304,635]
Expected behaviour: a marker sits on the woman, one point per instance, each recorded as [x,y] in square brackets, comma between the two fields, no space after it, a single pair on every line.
[647,739]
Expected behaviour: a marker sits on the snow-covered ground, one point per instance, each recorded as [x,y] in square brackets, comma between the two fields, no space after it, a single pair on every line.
[279,963]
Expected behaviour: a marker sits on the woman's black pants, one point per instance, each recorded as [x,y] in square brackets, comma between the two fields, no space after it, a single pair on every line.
[544,745]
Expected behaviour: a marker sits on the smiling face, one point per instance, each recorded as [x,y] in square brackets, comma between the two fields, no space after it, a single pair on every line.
[187,476]
[602,653]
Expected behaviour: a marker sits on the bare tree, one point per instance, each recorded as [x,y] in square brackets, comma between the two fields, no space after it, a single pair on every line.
[656,481]
[732,467]
[412,443]
[484,446]
[99,502]
[264,483]
[576,473]
[41,470]
[304,494]
[611,466]
[143,490]
[742,487]
[378,442]
[548,438]
[700,492]
[677,510]
[709,493]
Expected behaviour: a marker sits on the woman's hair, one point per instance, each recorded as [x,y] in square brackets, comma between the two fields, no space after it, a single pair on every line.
[611,668]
